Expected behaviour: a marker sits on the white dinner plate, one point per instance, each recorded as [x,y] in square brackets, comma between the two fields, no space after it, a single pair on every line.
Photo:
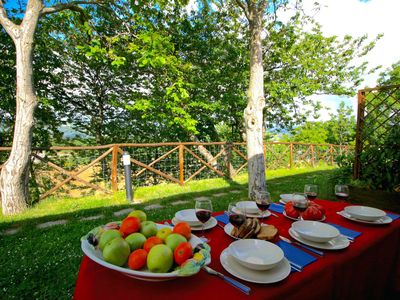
[278,273]
[364,213]
[188,216]
[298,219]
[208,225]
[337,243]
[285,198]
[258,215]
[382,221]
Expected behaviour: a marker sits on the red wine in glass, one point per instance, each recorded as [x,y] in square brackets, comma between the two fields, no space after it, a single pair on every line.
[203,215]
[263,206]
[311,195]
[237,219]
[342,196]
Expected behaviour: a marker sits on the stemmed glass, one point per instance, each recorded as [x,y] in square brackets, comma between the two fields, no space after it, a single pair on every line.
[311,191]
[262,199]
[203,210]
[300,203]
[236,216]
[342,192]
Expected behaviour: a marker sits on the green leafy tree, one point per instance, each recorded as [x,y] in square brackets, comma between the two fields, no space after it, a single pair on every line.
[342,126]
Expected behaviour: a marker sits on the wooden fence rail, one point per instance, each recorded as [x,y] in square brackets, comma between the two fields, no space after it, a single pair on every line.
[99,167]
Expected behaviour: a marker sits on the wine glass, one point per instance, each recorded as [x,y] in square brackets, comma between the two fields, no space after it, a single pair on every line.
[262,199]
[300,203]
[203,210]
[236,216]
[311,191]
[342,192]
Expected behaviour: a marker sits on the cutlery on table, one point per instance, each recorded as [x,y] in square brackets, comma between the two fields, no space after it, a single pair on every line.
[275,215]
[320,253]
[245,289]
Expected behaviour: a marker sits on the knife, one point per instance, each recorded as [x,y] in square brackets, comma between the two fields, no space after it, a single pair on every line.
[320,253]
[245,289]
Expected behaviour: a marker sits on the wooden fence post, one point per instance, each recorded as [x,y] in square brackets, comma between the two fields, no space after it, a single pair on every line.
[312,155]
[181,165]
[291,156]
[229,160]
[331,150]
[114,169]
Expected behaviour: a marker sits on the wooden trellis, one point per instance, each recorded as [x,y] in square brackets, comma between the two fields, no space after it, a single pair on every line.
[378,112]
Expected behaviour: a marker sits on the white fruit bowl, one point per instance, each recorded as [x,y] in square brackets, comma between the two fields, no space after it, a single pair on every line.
[365,213]
[315,231]
[256,254]
[96,255]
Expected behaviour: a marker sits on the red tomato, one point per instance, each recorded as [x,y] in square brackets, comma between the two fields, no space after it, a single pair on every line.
[151,242]
[129,225]
[312,213]
[137,259]
[290,210]
[320,207]
[183,252]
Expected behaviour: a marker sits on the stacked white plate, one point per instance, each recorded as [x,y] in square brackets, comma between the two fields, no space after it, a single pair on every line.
[365,213]
[285,198]
[318,235]
[255,261]
[189,216]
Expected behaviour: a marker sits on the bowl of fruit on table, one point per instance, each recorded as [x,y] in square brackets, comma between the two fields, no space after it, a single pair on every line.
[144,250]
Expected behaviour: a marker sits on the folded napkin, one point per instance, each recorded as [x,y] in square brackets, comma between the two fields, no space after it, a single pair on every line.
[346,231]
[393,216]
[223,218]
[277,208]
[295,255]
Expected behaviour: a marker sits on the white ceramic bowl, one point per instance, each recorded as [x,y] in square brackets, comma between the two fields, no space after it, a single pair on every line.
[188,216]
[256,254]
[364,212]
[291,197]
[315,231]
[250,207]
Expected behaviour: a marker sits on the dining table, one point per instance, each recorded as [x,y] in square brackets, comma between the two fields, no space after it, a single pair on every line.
[369,268]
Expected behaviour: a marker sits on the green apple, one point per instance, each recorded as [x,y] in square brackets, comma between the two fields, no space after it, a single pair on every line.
[135,240]
[141,215]
[116,251]
[107,236]
[173,240]
[160,259]
[148,228]
[163,233]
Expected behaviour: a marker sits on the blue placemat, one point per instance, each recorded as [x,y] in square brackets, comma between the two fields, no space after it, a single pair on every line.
[296,255]
[393,216]
[346,231]
[223,218]
[276,208]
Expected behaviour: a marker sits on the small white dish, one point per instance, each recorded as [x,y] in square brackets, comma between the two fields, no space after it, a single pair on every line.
[364,213]
[208,225]
[382,221]
[250,207]
[258,215]
[188,216]
[256,254]
[315,231]
[337,243]
[279,273]
[285,198]
[297,219]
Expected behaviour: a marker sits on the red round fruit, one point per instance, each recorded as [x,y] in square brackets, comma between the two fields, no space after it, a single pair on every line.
[183,252]
[150,242]
[290,210]
[129,225]
[312,213]
[184,229]
[137,259]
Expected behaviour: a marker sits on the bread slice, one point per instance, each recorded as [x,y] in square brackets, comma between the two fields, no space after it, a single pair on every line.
[267,233]
[245,228]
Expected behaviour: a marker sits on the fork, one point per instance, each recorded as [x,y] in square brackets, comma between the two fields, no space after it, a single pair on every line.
[245,289]
[320,253]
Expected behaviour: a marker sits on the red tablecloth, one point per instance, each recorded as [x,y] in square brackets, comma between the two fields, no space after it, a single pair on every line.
[368,269]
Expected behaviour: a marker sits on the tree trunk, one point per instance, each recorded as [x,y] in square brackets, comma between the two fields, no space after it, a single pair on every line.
[15,172]
[253,114]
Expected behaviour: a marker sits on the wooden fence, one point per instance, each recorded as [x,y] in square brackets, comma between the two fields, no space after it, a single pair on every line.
[99,168]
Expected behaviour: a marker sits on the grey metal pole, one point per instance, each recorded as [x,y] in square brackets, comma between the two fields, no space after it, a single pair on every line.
[126,158]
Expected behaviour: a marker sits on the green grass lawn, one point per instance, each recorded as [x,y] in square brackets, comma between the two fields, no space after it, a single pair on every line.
[44,263]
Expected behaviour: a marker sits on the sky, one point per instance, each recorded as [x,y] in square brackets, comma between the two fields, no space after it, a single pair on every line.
[356,18]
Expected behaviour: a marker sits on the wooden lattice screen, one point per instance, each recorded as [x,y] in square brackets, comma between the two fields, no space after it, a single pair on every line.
[378,112]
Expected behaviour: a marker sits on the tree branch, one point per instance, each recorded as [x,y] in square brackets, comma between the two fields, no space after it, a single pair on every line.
[11,28]
[73,5]
[243,7]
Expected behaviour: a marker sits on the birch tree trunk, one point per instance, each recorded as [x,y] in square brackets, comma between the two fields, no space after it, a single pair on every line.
[15,172]
[253,113]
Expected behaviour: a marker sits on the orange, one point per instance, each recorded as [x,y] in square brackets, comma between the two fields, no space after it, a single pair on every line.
[137,259]
[129,225]
[184,229]
[150,242]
